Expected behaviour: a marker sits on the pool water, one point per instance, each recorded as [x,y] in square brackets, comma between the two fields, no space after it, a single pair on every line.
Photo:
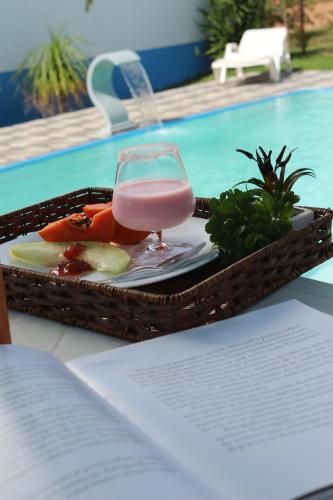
[207,144]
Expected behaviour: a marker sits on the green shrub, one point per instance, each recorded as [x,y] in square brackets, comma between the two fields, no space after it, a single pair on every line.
[226,20]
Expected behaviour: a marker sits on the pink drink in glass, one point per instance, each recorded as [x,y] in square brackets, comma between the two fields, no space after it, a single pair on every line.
[153,205]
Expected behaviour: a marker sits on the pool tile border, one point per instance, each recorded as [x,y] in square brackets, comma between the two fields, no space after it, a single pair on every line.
[40,139]
[143,130]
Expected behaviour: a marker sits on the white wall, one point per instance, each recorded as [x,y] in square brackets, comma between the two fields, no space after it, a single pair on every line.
[109,25]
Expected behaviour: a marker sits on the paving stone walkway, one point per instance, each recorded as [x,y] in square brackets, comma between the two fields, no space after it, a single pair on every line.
[39,137]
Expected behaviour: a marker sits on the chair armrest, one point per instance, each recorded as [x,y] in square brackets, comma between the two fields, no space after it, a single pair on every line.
[230,48]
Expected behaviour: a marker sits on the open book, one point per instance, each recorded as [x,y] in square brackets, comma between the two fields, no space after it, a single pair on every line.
[241,409]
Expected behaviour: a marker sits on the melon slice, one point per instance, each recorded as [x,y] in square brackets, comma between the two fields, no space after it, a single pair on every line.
[105,257]
[100,256]
[39,254]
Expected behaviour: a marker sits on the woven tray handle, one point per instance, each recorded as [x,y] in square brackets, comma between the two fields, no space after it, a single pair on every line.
[5,337]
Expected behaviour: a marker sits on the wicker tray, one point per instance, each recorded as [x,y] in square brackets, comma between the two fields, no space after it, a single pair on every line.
[204,295]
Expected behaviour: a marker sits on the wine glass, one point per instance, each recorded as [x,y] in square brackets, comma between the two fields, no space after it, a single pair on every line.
[152,193]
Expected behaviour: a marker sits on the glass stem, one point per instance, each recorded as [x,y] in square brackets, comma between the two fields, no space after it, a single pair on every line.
[157,245]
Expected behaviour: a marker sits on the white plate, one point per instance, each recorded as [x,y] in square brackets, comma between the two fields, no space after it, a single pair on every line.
[192,231]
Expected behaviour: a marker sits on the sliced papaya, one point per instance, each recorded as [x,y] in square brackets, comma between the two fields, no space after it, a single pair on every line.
[122,235]
[91,210]
[79,227]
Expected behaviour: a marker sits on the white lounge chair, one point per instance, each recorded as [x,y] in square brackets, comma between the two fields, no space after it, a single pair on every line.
[258,47]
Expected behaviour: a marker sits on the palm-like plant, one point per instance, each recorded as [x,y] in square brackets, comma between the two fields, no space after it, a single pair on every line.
[52,77]
[274,177]
[88,4]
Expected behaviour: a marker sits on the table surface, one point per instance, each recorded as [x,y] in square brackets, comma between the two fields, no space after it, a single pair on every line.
[67,342]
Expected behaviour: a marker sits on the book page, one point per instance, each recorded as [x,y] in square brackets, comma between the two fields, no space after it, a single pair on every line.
[61,441]
[246,404]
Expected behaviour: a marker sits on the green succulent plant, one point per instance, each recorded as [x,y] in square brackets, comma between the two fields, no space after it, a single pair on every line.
[242,222]
[274,176]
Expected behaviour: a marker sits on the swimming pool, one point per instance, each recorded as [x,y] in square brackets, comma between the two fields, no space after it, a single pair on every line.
[207,143]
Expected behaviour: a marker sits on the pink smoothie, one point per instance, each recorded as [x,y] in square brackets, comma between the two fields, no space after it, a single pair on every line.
[153,205]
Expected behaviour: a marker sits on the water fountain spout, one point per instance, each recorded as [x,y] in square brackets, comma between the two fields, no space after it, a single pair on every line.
[103,95]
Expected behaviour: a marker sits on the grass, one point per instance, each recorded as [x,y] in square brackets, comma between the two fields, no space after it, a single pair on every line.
[319,55]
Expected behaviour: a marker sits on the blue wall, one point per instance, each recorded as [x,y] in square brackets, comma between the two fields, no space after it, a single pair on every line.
[166,67]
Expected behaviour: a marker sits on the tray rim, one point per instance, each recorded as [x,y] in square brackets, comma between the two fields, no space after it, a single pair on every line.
[107,290]
[136,314]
